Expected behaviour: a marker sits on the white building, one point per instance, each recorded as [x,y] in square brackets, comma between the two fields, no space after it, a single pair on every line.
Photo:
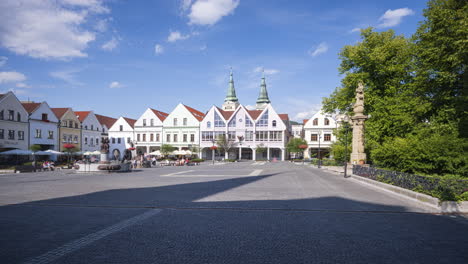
[43,125]
[106,123]
[181,128]
[297,130]
[149,131]
[318,132]
[121,137]
[91,130]
[254,134]
[14,132]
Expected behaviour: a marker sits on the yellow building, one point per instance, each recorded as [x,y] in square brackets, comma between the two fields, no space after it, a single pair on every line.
[69,128]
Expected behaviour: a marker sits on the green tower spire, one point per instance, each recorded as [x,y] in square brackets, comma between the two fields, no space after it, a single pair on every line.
[231,94]
[263,96]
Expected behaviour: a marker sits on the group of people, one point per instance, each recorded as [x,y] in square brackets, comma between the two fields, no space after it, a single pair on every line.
[142,161]
[48,165]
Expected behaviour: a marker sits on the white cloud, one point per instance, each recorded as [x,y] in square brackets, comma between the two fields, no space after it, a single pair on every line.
[320,49]
[209,12]
[266,71]
[6,77]
[22,85]
[111,44]
[48,29]
[355,30]
[175,36]
[3,60]
[67,76]
[116,85]
[102,25]
[158,49]
[393,17]
[185,5]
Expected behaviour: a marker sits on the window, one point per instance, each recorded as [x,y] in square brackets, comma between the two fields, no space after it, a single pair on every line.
[232,123]
[11,115]
[86,141]
[248,122]
[218,134]
[315,122]
[86,127]
[263,122]
[218,122]
[313,137]
[75,140]
[2,133]
[76,125]
[38,133]
[185,121]
[327,122]
[113,140]
[152,122]
[51,134]
[151,137]
[231,135]
[44,117]
[11,134]
[276,135]
[207,136]
[248,136]
[138,137]
[144,137]
[64,123]
[261,136]
[1,115]
[92,127]
[20,135]
[192,137]
[119,140]
[97,141]
[174,122]
[208,124]
[184,137]
[128,140]
[121,128]
[157,137]
[273,123]
[327,137]
[175,137]
[168,138]
[18,117]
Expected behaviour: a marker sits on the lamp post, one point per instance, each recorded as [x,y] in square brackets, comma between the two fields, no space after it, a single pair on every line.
[319,156]
[346,124]
[213,148]
[240,138]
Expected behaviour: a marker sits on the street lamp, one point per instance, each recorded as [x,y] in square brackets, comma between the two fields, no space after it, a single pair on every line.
[240,138]
[319,156]
[346,126]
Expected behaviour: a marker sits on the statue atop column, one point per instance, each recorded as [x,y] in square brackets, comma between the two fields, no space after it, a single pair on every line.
[358,155]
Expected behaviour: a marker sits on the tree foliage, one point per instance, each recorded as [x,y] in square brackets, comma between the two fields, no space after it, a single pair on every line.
[294,144]
[415,92]
[166,149]
[224,143]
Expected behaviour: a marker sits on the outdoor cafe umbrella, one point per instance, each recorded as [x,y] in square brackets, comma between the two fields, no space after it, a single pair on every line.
[155,153]
[54,152]
[17,152]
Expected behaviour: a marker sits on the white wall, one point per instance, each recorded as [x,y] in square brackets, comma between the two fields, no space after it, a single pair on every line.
[147,130]
[192,127]
[10,102]
[115,134]
[91,134]
[35,123]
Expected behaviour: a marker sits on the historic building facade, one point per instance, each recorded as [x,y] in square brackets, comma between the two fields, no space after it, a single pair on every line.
[69,128]
[248,134]
[121,137]
[181,128]
[318,132]
[149,131]
[14,124]
[91,130]
[106,123]
[43,126]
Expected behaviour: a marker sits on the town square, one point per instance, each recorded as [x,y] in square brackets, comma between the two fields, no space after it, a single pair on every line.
[233,131]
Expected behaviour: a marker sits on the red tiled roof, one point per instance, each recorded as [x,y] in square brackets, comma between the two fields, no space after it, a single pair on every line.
[82,115]
[159,114]
[59,112]
[284,117]
[225,114]
[130,121]
[254,113]
[30,107]
[105,120]
[305,121]
[197,114]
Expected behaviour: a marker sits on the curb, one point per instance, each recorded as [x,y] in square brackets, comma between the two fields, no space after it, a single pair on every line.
[442,207]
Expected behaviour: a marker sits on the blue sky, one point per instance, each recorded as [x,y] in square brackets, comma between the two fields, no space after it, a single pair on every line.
[119,57]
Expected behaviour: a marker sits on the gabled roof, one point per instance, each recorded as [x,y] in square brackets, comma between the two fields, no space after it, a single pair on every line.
[159,114]
[105,120]
[130,121]
[82,115]
[284,117]
[1,95]
[59,112]
[305,121]
[30,107]
[226,114]
[197,114]
[254,113]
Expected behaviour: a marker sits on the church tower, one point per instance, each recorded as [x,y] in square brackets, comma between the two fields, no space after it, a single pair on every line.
[263,99]
[231,102]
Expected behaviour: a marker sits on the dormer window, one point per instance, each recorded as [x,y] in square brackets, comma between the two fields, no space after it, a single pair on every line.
[18,117]
[121,128]
[44,117]
[315,122]
[327,122]
[144,122]
[11,115]
[175,122]
[273,123]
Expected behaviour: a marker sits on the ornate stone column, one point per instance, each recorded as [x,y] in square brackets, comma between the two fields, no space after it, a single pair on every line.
[358,154]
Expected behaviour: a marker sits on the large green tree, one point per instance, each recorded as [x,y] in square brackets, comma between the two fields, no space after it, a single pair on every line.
[415,92]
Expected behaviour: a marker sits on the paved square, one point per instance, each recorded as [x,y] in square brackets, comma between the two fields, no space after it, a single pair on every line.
[232,213]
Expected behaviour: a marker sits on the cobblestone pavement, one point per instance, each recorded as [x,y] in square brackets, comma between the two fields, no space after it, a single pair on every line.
[226,213]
